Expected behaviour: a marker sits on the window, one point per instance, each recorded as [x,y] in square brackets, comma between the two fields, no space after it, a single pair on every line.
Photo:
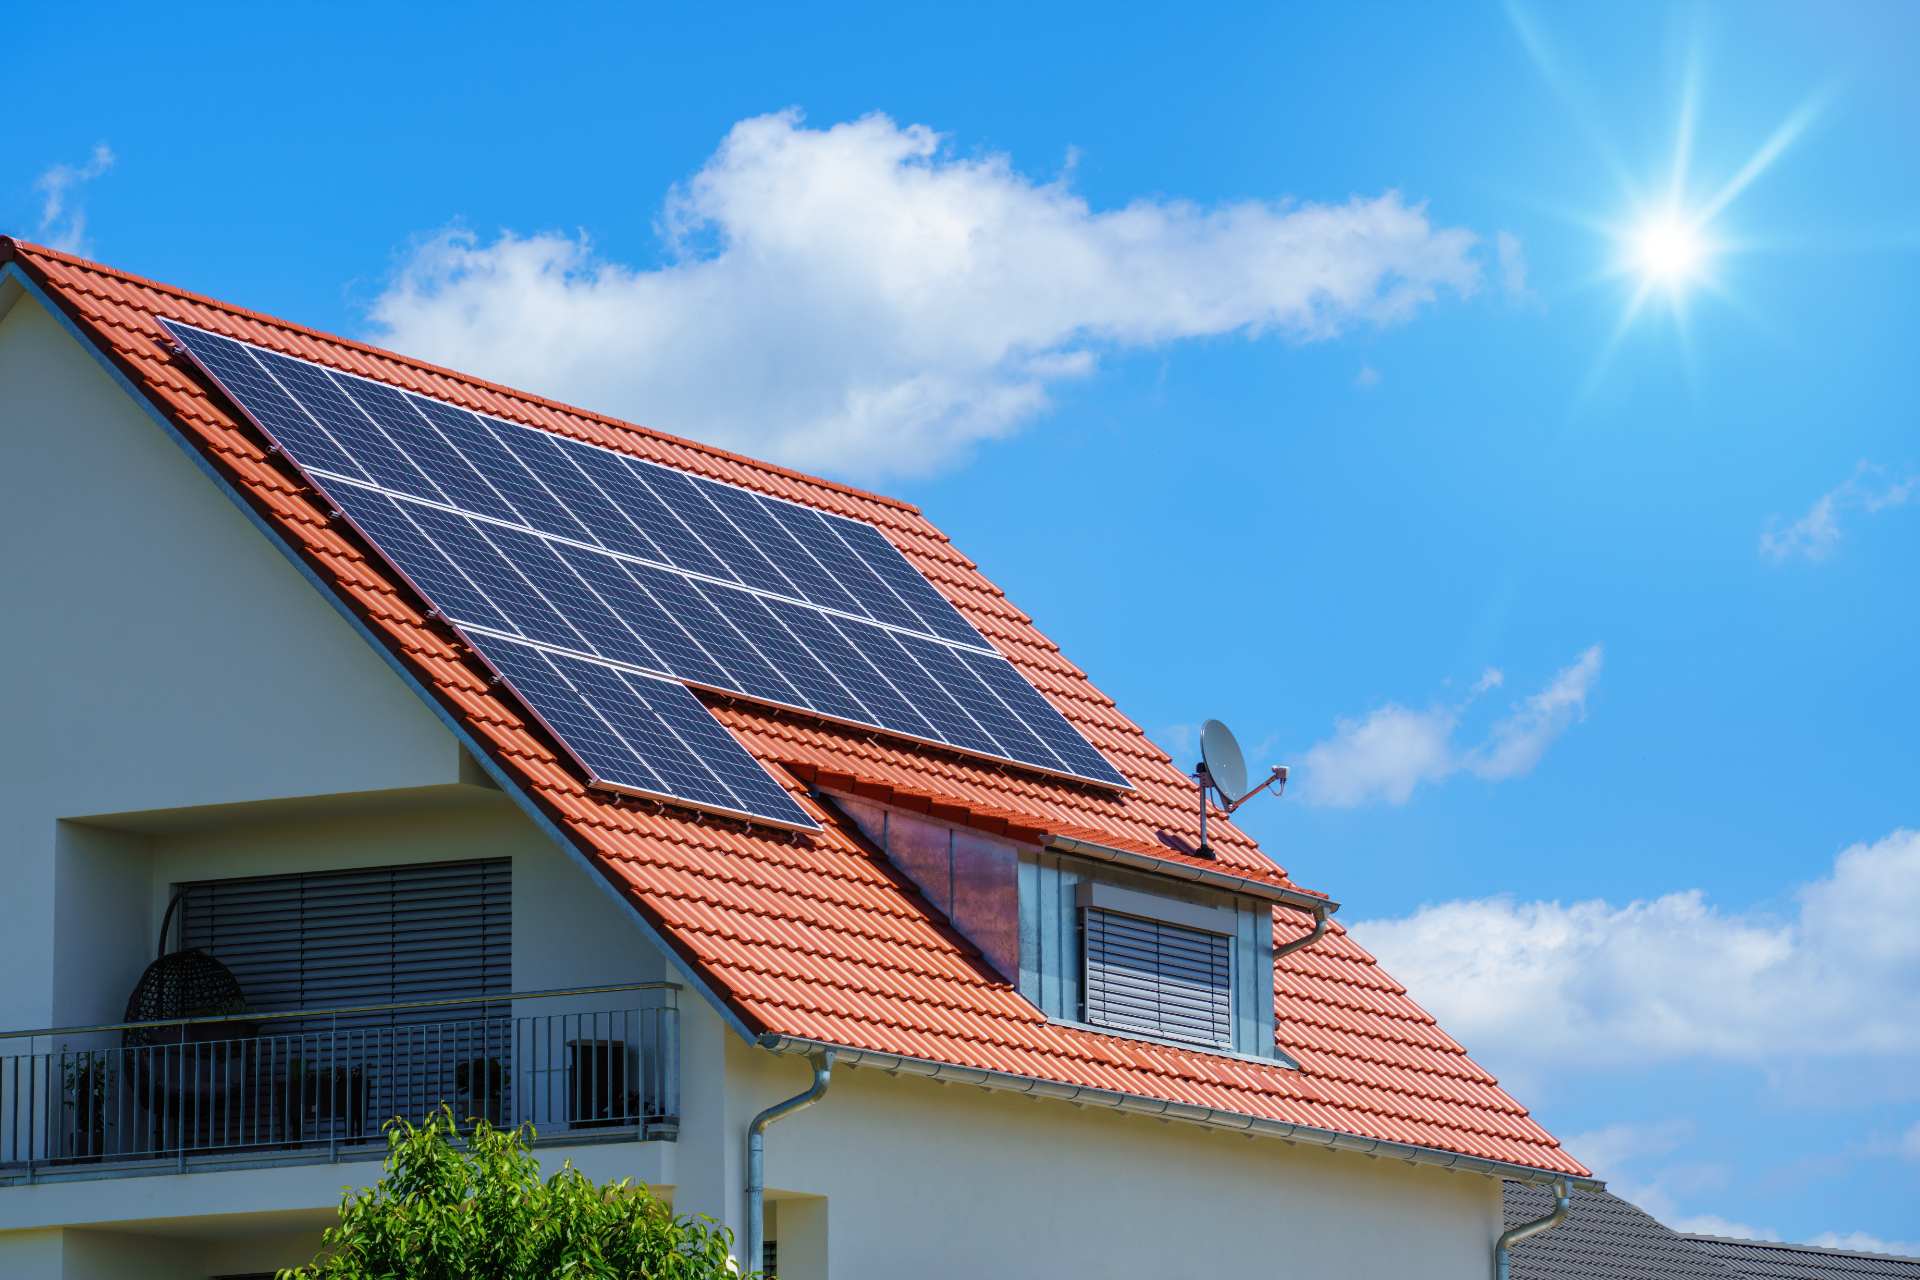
[339,938]
[1156,978]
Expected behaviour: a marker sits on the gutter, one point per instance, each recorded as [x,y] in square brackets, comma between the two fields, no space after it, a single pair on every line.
[1562,1204]
[1293,898]
[1160,1108]
[756,1250]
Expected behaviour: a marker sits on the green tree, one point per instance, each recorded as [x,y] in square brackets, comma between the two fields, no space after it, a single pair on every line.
[473,1206]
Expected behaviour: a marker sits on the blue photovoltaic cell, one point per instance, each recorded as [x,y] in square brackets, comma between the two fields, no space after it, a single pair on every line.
[470,434]
[645,734]
[1040,716]
[817,688]
[952,723]
[623,564]
[719,750]
[386,524]
[752,674]
[480,560]
[570,597]
[714,530]
[350,428]
[753,516]
[979,702]
[236,367]
[563,476]
[811,532]
[747,514]
[636,733]
[674,651]
[463,486]
[885,705]
[584,731]
[935,611]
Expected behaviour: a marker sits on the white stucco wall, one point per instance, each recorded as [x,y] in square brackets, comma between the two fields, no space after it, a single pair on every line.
[181,704]
[158,652]
[927,1179]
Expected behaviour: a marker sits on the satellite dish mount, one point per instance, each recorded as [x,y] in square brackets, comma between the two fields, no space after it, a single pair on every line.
[1222,771]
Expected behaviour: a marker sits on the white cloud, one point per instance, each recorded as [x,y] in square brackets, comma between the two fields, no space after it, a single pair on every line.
[1367,378]
[1511,259]
[1389,752]
[1605,1150]
[1548,986]
[1517,742]
[863,298]
[1870,489]
[1910,1143]
[1861,1242]
[63,221]
[1712,1224]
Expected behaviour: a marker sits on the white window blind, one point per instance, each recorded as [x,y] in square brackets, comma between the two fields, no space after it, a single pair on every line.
[1158,979]
[325,940]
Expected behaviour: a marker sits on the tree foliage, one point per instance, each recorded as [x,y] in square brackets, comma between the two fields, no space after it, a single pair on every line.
[473,1206]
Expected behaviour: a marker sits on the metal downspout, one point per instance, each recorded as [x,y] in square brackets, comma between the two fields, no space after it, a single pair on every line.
[1320,919]
[1563,1201]
[757,1156]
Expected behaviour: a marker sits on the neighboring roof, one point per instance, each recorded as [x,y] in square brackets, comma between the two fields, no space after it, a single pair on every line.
[1770,1260]
[821,938]
[1605,1238]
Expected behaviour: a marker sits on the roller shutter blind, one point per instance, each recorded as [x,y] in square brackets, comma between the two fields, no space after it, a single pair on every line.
[1158,979]
[328,939]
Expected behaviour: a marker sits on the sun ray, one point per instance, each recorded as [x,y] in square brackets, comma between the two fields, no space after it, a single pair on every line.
[1783,137]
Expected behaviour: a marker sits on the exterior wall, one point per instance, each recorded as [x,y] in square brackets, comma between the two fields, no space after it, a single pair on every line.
[928,1179]
[181,704]
[159,653]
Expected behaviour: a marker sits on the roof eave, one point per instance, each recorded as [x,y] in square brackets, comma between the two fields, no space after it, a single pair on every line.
[1297,899]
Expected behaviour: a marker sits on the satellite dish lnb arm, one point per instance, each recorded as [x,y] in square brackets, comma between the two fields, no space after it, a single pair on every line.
[1276,779]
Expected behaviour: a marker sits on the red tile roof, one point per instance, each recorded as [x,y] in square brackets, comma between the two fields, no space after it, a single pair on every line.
[820,938]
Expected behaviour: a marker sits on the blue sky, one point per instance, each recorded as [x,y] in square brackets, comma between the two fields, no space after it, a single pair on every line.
[1281,365]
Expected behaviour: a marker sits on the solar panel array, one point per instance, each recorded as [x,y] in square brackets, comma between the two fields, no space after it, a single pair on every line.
[584,576]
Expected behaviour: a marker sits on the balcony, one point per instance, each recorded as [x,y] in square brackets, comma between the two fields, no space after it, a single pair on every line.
[587,1064]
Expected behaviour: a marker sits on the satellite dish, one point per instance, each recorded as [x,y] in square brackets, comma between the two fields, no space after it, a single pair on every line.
[1223,771]
[1221,753]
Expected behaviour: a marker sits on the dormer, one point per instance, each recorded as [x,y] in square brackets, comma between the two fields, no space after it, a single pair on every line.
[1091,944]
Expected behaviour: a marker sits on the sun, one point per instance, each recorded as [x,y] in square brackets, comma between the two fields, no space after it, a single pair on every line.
[1668,250]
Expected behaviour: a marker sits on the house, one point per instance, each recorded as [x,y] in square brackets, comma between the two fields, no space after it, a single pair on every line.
[862,922]
[1606,1238]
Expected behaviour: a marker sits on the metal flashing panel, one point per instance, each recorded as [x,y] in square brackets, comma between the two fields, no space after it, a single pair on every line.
[517,534]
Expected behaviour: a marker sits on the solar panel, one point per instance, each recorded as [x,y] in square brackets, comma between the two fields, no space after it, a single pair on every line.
[587,571]
[641,734]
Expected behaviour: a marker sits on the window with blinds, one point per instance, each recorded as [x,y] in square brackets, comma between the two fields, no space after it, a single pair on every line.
[325,940]
[1158,979]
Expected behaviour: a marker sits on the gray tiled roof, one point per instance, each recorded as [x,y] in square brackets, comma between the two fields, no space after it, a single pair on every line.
[1764,1260]
[1603,1238]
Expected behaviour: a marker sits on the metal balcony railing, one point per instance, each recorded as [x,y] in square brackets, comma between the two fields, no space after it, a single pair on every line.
[591,1064]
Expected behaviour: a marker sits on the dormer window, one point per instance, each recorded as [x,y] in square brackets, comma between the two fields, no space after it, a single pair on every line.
[1157,966]
[1092,944]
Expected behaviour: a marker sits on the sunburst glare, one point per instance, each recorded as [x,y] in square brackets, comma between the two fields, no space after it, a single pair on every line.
[1666,241]
[1668,250]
